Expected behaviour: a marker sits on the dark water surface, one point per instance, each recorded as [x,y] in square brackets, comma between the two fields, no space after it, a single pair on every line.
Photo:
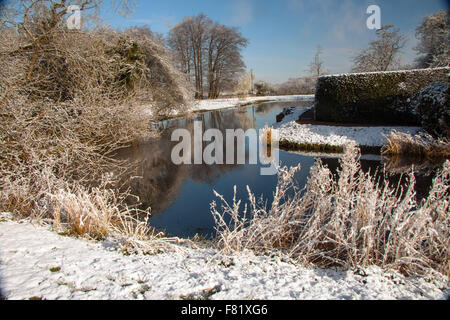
[180,196]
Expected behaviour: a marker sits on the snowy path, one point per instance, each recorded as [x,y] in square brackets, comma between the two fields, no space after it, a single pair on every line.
[38,263]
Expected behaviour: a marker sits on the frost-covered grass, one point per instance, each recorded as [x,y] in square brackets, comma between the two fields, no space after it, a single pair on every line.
[37,263]
[350,222]
[423,145]
[86,212]
[349,219]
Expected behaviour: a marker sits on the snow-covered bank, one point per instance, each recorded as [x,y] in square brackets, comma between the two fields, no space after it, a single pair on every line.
[339,136]
[38,263]
[205,105]
[336,136]
[217,104]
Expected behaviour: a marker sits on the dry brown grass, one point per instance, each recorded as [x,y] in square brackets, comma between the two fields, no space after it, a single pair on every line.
[89,212]
[346,220]
[424,145]
[71,208]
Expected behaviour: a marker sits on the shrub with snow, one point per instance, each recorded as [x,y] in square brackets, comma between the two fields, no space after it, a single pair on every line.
[434,109]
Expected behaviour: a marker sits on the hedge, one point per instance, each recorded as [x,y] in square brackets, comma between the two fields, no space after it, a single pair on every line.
[374,98]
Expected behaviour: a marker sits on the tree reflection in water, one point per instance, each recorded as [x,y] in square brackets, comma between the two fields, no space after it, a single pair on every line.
[180,196]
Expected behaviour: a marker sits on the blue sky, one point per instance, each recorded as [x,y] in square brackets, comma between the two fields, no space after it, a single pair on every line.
[283,35]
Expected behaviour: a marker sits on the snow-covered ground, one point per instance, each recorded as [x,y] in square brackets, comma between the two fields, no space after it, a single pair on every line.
[335,135]
[38,263]
[216,104]
[205,105]
[339,136]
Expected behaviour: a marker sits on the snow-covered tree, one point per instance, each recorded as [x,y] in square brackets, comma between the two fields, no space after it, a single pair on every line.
[253,77]
[383,53]
[434,40]
[304,85]
[245,84]
[263,88]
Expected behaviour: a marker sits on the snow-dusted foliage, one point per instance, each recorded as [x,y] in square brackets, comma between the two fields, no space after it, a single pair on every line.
[434,45]
[303,85]
[434,109]
[349,219]
[245,84]
[374,97]
[383,53]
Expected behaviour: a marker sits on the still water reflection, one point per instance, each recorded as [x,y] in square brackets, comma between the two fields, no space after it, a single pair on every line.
[180,196]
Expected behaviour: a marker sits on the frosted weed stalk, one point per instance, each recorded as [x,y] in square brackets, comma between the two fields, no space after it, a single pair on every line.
[347,220]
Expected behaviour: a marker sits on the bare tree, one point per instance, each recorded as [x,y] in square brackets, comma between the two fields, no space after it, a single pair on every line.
[179,41]
[224,58]
[383,53]
[188,39]
[316,67]
[434,40]
[208,51]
